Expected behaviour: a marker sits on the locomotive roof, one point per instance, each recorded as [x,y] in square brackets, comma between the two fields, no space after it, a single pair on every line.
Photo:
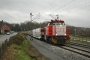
[57,21]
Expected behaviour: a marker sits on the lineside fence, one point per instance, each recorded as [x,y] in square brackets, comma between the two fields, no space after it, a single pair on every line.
[3,47]
[81,39]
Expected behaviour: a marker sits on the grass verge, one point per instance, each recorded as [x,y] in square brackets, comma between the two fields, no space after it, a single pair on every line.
[17,52]
[21,50]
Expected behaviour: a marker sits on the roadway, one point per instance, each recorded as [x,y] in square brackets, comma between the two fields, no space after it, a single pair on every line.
[4,37]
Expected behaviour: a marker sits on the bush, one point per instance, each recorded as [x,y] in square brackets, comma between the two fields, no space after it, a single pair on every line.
[17,39]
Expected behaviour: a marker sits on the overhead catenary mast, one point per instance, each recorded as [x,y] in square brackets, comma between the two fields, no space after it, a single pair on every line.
[57,16]
[31,16]
[30,20]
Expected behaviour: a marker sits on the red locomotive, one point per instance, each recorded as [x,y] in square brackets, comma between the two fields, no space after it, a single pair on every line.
[55,32]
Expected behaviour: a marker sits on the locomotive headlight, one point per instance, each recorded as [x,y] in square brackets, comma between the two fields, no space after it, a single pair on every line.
[64,34]
[56,34]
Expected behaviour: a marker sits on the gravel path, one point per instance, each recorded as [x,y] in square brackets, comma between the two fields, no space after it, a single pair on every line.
[58,52]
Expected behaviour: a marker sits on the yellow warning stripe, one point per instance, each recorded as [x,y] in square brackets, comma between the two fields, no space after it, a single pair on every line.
[67,41]
[54,41]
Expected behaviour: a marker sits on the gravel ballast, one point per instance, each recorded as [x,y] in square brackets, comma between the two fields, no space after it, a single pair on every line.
[65,54]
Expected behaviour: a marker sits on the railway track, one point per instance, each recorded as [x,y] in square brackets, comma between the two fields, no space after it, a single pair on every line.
[77,50]
[64,54]
[80,45]
[81,49]
[74,47]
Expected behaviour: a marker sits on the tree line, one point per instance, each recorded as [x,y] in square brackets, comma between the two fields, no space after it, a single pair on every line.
[28,25]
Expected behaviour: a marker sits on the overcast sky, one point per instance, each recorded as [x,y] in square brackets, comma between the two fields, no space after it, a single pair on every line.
[73,12]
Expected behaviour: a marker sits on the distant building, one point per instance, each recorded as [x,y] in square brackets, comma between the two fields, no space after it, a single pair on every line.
[4,28]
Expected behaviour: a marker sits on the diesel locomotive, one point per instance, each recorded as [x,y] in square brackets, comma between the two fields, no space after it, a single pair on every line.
[55,32]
